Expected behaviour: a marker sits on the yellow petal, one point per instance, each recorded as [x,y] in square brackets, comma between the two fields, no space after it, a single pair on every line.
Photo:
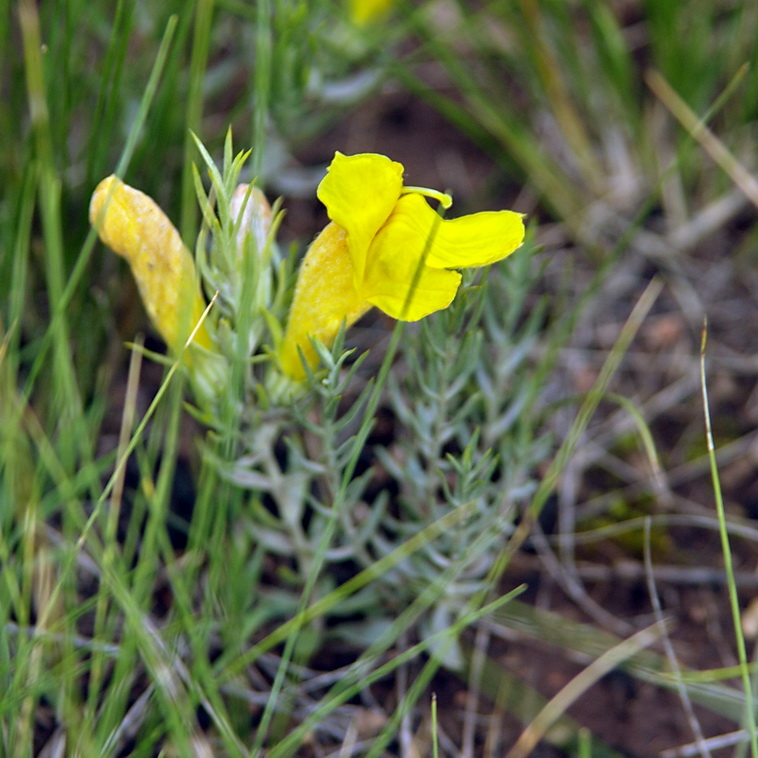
[395,267]
[475,240]
[359,192]
[324,297]
[133,226]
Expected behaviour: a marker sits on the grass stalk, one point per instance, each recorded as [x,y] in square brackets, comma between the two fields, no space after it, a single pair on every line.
[704,136]
[734,602]
[197,75]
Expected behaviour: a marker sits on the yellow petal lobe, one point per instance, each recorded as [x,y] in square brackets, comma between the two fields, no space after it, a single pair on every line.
[476,240]
[397,267]
[325,296]
[360,192]
[133,225]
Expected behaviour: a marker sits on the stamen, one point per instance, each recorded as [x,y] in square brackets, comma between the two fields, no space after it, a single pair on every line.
[443,198]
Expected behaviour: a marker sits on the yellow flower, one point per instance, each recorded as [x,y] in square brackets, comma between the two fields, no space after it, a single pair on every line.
[133,225]
[385,247]
[364,11]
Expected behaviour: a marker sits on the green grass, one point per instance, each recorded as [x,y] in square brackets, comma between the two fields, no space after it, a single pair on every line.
[288,576]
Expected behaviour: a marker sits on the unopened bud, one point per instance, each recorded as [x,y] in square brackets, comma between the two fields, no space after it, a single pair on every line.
[252,212]
[252,217]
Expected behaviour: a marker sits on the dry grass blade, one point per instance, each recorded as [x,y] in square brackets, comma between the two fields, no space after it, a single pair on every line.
[704,136]
[558,705]
[668,646]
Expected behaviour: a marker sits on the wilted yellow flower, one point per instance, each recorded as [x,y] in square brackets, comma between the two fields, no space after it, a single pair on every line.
[133,225]
[385,247]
